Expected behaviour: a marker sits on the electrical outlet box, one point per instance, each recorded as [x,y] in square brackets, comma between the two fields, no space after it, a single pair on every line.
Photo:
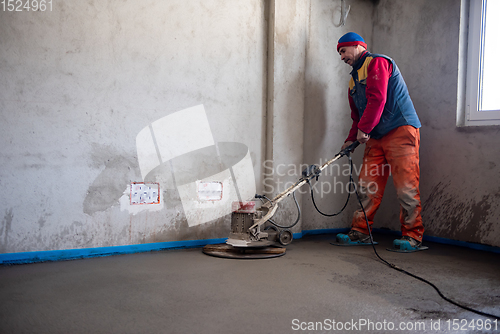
[144,193]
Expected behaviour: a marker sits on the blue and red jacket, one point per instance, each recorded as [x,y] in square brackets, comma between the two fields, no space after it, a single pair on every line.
[378,97]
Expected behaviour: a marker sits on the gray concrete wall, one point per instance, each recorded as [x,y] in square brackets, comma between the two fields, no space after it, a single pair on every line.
[80,82]
[327,117]
[90,95]
[286,96]
[460,167]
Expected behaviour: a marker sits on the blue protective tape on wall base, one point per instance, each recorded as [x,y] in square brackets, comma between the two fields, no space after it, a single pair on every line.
[325,231]
[320,231]
[481,247]
[445,241]
[72,254]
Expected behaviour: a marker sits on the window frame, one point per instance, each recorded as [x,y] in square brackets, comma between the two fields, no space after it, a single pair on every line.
[474,50]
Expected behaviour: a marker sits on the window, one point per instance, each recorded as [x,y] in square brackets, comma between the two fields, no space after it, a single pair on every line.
[482,102]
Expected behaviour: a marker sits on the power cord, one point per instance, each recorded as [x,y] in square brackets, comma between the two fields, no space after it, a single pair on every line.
[296,220]
[393,266]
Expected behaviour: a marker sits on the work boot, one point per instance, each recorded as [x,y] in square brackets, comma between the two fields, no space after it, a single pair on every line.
[353,237]
[406,243]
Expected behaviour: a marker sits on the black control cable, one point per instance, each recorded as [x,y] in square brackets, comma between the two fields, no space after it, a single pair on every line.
[393,266]
[278,225]
[351,184]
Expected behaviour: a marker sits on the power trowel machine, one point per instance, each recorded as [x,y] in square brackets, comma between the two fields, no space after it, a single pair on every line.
[250,236]
[249,240]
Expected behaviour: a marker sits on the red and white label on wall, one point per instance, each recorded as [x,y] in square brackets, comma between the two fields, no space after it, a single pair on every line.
[210,191]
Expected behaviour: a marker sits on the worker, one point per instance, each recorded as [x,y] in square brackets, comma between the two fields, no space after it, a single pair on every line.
[383,118]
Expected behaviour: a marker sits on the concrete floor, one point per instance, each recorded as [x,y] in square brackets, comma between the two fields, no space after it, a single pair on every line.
[185,291]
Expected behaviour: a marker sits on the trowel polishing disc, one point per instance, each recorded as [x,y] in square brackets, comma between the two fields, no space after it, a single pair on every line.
[230,252]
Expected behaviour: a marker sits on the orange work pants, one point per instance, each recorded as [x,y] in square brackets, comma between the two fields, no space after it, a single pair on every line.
[396,153]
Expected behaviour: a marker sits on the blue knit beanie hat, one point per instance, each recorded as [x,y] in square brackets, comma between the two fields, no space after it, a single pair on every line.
[351,39]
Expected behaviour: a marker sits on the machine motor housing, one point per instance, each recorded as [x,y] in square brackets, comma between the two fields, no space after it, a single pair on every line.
[245,217]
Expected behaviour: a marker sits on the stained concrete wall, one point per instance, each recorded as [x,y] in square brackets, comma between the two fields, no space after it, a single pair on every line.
[460,167]
[79,83]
